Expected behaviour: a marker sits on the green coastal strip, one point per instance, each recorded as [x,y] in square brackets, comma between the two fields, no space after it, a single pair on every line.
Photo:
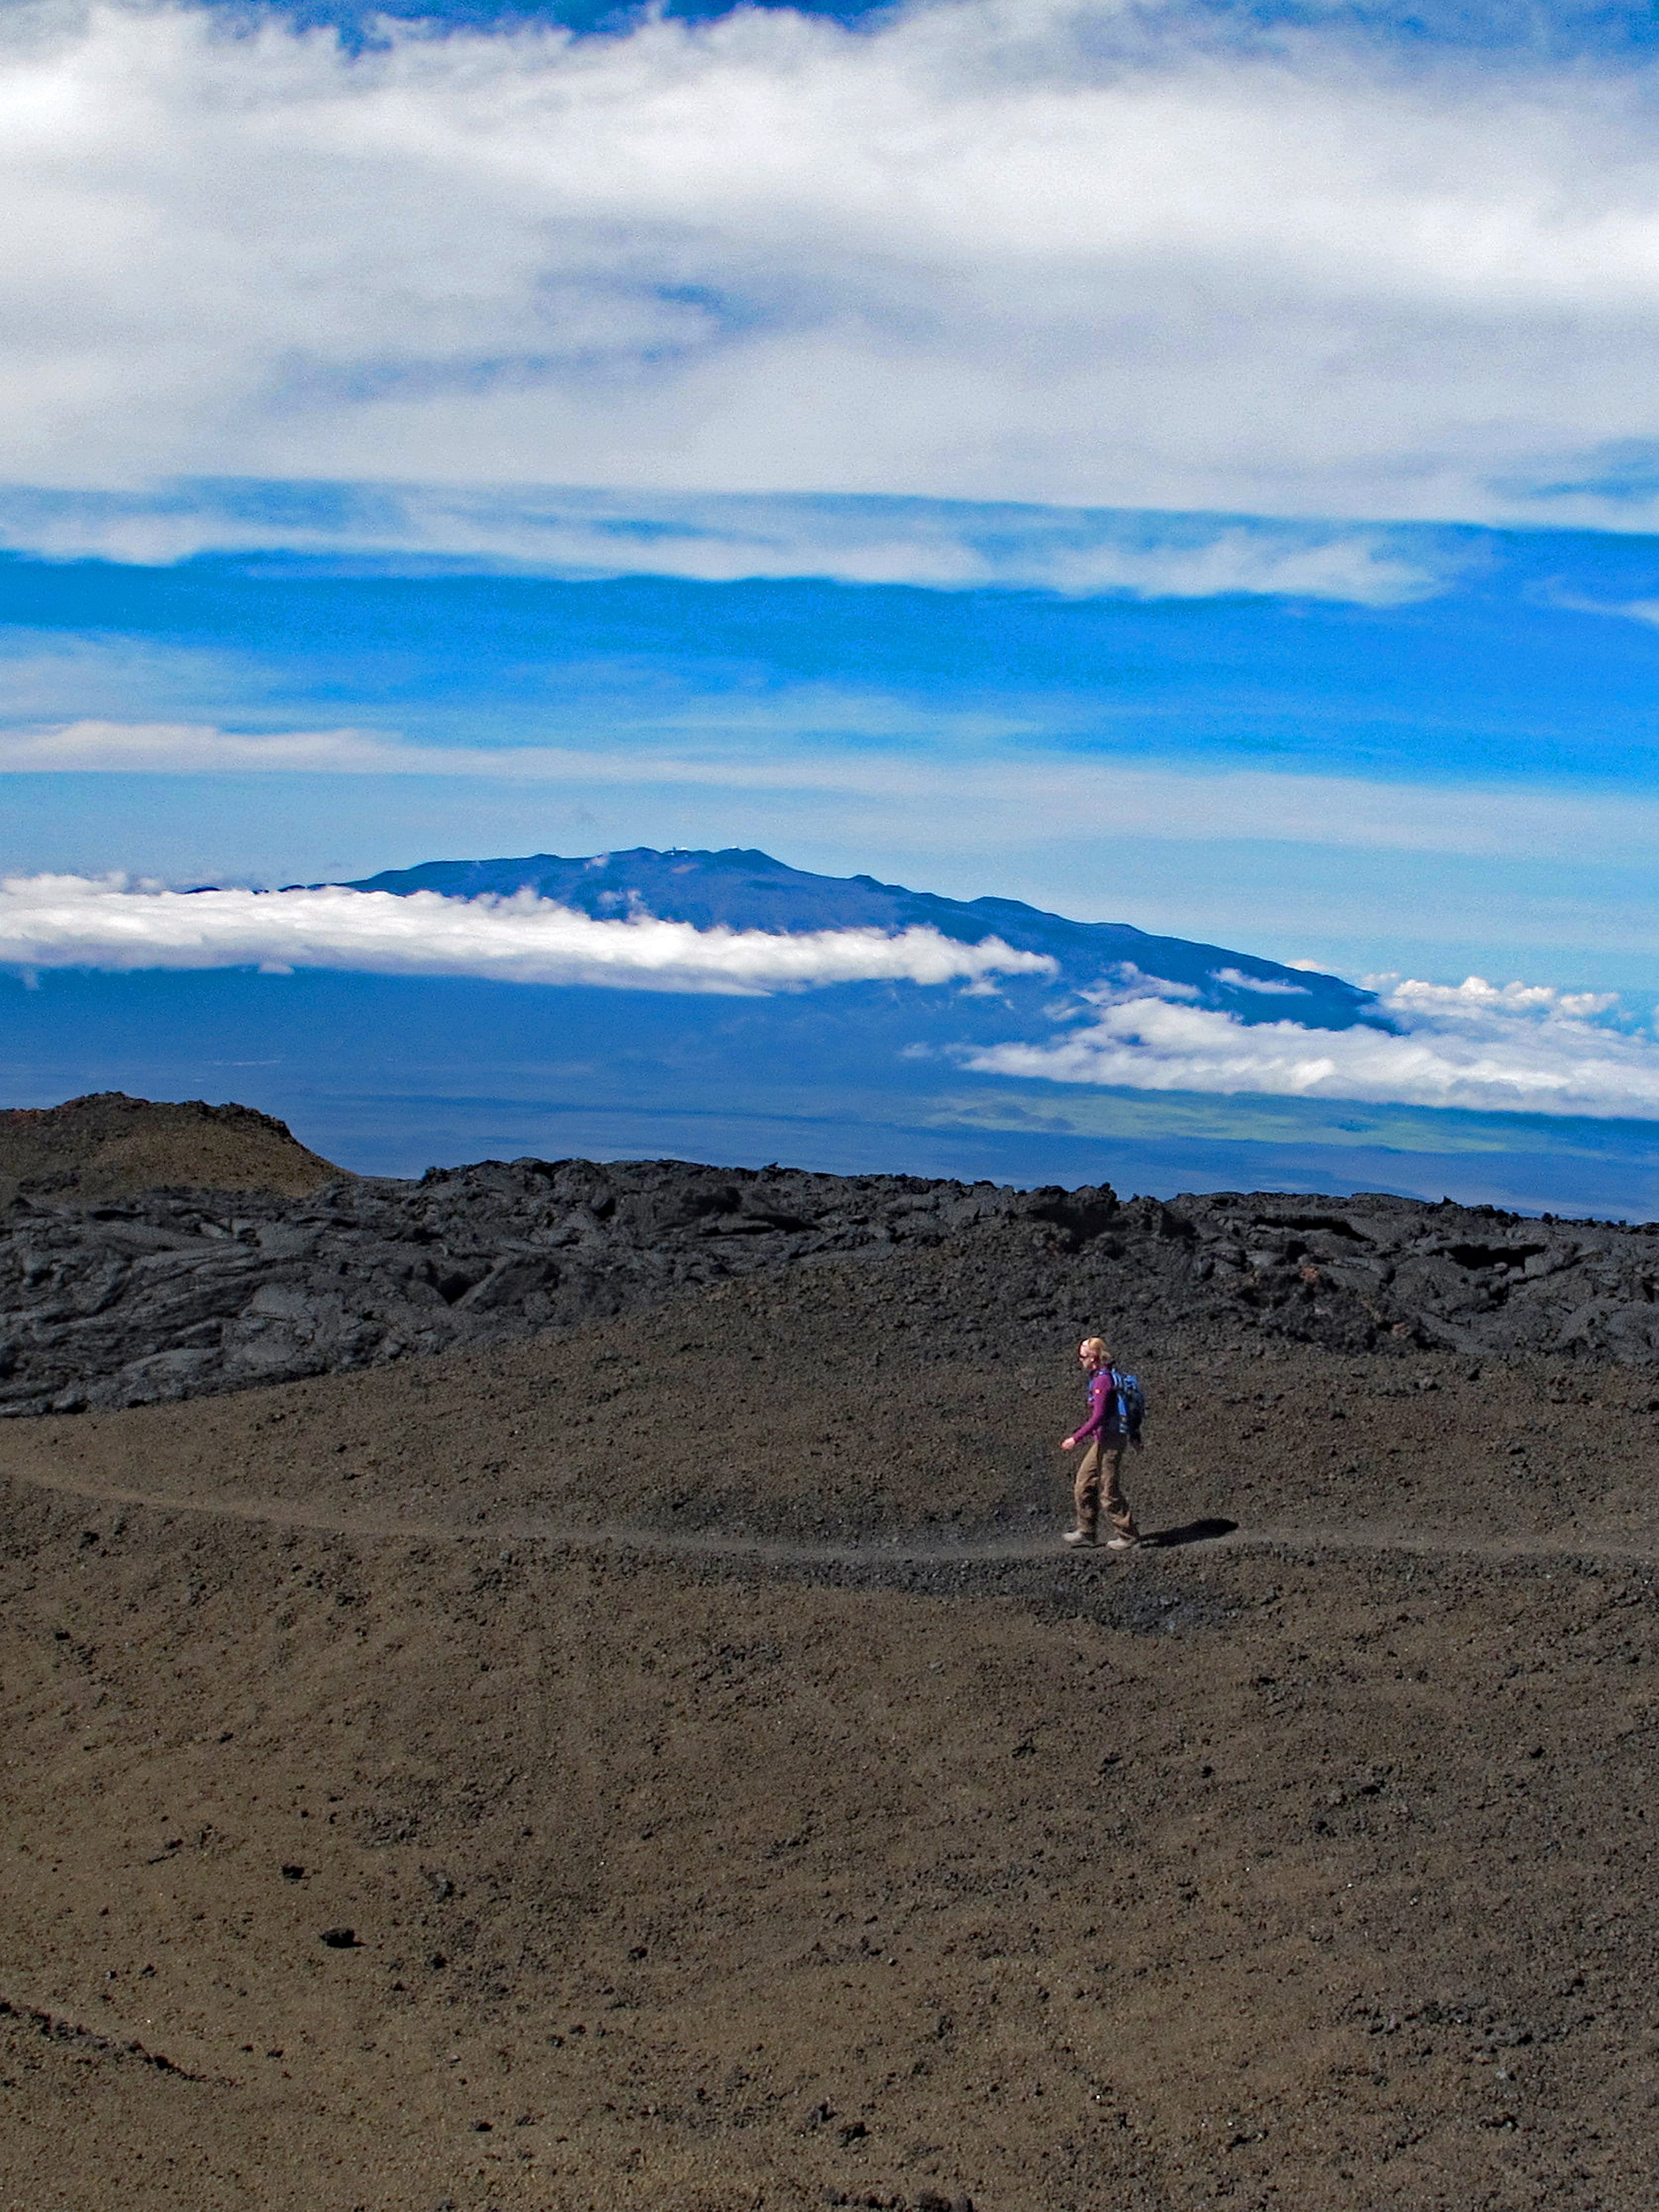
[1249,1118]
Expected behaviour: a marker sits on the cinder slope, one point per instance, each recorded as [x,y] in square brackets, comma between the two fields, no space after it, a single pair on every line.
[779,1848]
[109,1146]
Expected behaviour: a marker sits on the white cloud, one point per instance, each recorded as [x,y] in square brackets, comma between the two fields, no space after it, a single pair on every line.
[99,747]
[65,921]
[1522,1048]
[1130,981]
[1475,1001]
[939,544]
[189,749]
[1265,986]
[978,768]
[985,248]
[1639,610]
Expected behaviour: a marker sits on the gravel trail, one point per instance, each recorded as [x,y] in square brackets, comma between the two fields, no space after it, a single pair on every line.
[898,1551]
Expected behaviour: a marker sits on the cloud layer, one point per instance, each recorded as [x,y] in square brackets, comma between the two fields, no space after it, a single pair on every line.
[66,922]
[984,248]
[1028,792]
[1519,1047]
[940,544]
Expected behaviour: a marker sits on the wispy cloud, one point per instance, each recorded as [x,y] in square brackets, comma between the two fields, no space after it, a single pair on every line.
[1639,610]
[65,922]
[193,749]
[984,767]
[1518,1047]
[988,248]
[1264,986]
[941,545]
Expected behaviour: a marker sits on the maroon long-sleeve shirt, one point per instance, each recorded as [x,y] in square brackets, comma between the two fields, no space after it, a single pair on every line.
[1104,1420]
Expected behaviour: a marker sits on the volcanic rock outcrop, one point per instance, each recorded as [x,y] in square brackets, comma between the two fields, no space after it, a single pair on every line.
[170,1294]
[107,1146]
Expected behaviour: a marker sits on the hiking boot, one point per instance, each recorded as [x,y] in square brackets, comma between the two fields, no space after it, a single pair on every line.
[1078,1537]
[1122,1543]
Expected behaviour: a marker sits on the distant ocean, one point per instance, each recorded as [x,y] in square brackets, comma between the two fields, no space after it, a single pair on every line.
[391,1075]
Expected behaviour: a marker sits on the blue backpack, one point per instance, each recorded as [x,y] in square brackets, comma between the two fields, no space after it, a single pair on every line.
[1131,1402]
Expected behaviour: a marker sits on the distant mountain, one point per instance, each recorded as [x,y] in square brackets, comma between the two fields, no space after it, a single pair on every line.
[744,889]
[392,1073]
[388,1073]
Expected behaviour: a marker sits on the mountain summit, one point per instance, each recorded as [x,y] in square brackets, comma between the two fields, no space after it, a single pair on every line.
[741,890]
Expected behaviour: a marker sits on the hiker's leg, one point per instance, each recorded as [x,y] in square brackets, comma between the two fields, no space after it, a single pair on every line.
[1087,1491]
[1118,1507]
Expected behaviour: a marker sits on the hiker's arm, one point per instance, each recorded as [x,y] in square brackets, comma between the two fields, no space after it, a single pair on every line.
[1092,1430]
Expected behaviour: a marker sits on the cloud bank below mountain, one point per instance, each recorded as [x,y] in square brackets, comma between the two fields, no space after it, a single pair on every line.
[63,921]
[1473,1046]
[1527,1048]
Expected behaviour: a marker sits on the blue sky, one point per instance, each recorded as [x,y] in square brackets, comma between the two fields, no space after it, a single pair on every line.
[1196,466]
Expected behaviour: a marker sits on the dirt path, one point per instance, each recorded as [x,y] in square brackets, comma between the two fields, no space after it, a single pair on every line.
[473,1843]
[717,1544]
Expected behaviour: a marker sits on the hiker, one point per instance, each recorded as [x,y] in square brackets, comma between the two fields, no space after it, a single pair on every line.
[1113,1420]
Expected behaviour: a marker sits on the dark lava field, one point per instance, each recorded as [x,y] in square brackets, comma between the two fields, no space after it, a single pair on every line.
[148,1296]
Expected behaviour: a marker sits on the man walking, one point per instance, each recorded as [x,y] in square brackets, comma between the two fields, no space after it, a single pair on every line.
[1106,1431]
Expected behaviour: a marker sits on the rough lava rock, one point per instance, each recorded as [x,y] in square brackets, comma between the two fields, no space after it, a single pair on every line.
[173,1294]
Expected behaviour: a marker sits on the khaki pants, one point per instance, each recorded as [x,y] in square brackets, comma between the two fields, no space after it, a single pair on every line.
[1102,1467]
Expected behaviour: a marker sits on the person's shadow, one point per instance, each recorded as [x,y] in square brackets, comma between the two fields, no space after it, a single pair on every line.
[1190,1532]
